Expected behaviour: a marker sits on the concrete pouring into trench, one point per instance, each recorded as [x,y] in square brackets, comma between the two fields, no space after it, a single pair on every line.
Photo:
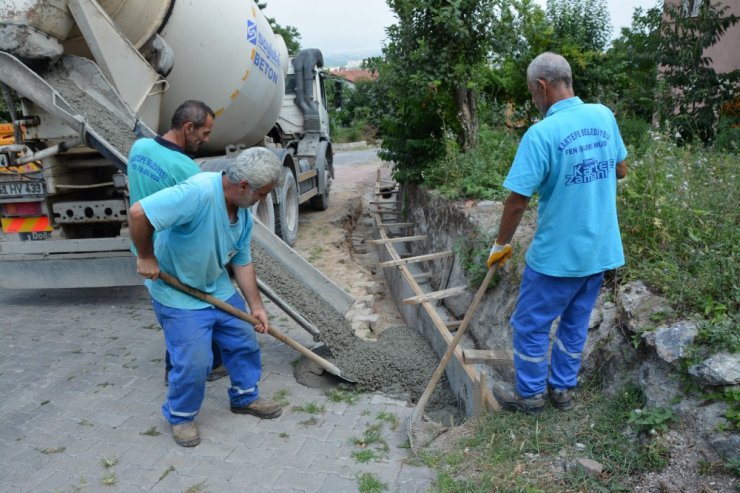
[400,362]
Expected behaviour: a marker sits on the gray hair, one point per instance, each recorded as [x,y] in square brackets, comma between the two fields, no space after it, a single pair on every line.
[550,67]
[256,165]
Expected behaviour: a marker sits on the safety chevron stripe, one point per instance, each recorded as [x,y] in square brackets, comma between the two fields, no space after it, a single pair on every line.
[25,224]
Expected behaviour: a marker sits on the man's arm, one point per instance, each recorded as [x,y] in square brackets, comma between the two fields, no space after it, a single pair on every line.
[514,208]
[142,233]
[622,169]
[246,279]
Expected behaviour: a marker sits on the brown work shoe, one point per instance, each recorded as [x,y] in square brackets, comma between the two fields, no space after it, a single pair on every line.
[186,434]
[218,372]
[262,408]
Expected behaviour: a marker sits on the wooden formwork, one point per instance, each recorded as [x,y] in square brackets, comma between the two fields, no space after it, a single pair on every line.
[421,309]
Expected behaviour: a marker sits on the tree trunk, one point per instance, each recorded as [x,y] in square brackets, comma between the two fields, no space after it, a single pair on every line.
[467,113]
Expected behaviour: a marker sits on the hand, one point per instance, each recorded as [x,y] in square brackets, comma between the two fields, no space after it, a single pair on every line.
[499,254]
[261,315]
[147,267]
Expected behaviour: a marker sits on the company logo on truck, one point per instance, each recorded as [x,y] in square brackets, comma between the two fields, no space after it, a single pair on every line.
[267,58]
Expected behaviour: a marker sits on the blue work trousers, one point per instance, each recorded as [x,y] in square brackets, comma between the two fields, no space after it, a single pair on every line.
[188,335]
[542,299]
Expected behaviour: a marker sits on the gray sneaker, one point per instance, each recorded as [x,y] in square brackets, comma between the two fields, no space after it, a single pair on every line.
[262,408]
[562,399]
[510,399]
[186,434]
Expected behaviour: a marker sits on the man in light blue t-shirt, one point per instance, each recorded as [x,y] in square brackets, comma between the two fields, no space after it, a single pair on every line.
[572,158]
[202,226]
[158,163]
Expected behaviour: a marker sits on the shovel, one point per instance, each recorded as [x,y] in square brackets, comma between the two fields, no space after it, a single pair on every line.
[175,283]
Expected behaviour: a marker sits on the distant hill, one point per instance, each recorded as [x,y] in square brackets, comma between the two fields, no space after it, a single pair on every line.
[342,58]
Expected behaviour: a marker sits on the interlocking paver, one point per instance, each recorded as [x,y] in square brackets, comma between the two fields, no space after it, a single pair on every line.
[83,372]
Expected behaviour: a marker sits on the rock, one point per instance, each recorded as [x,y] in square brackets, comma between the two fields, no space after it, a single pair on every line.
[720,369]
[370,320]
[639,306]
[659,382]
[727,445]
[592,467]
[671,342]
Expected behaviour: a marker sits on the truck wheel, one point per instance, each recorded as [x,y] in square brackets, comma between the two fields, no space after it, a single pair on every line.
[321,201]
[286,212]
[264,212]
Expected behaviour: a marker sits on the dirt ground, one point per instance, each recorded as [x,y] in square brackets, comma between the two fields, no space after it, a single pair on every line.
[335,240]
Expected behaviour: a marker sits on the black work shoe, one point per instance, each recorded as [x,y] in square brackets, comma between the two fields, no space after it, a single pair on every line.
[186,434]
[262,408]
[218,372]
[510,399]
[562,399]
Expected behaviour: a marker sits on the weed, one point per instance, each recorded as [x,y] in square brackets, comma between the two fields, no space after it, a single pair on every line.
[109,479]
[281,397]
[310,408]
[52,450]
[151,432]
[371,436]
[341,395]
[651,420]
[315,253]
[732,466]
[370,483]
[364,456]
[105,384]
[312,421]
[196,488]
[43,403]
[706,467]
[85,422]
[389,418]
[109,462]
[82,484]
[284,435]
[170,469]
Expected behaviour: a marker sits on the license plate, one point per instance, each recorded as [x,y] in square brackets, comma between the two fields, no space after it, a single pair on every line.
[22,189]
[35,236]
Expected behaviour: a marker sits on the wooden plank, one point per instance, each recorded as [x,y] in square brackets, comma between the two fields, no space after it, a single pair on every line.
[311,193]
[385,192]
[479,400]
[383,202]
[394,225]
[488,357]
[453,324]
[419,258]
[423,275]
[308,174]
[402,239]
[436,295]
[385,211]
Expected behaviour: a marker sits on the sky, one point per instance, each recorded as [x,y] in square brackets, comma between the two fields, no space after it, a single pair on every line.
[337,26]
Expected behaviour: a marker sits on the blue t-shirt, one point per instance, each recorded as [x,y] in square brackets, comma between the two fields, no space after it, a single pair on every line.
[196,240]
[154,164]
[570,158]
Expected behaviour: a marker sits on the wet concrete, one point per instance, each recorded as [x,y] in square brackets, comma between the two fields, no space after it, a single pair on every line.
[400,363]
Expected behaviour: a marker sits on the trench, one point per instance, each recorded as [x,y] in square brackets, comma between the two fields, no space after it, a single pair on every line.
[400,364]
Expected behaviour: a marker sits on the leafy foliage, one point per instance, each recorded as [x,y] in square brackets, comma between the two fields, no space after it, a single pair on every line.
[290,34]
[693,91]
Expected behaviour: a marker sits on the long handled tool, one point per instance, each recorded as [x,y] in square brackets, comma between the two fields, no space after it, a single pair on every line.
[221,305]
[419,436]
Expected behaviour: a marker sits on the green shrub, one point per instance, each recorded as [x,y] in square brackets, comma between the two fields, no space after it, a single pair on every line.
[635,133]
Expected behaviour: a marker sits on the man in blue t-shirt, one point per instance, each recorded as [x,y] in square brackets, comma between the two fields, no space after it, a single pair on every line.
[572,158]
[202,226]
[154,164]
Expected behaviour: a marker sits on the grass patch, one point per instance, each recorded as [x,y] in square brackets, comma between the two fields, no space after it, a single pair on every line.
[310,408]
[109,479]
[109,462]
[52,450]
[365,456]
[312,421]
[196,488]
[370,483]
[373,435]
[281,397]
[341,395]
[389,418]
[151,432]
[517,452]
[166,472]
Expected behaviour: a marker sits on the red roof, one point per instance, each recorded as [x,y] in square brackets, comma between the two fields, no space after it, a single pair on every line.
[355,74]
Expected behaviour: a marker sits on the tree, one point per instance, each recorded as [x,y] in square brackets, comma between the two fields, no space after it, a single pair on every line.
[290,34]
[693,91]
[634,64]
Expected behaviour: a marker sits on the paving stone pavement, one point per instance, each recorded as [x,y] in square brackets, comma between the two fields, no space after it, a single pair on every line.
[81,385]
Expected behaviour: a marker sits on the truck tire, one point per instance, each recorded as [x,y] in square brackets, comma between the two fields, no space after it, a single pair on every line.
[264,212]
[323,162]
[286,212]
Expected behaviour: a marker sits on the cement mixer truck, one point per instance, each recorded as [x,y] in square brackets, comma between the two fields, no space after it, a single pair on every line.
[83,79]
